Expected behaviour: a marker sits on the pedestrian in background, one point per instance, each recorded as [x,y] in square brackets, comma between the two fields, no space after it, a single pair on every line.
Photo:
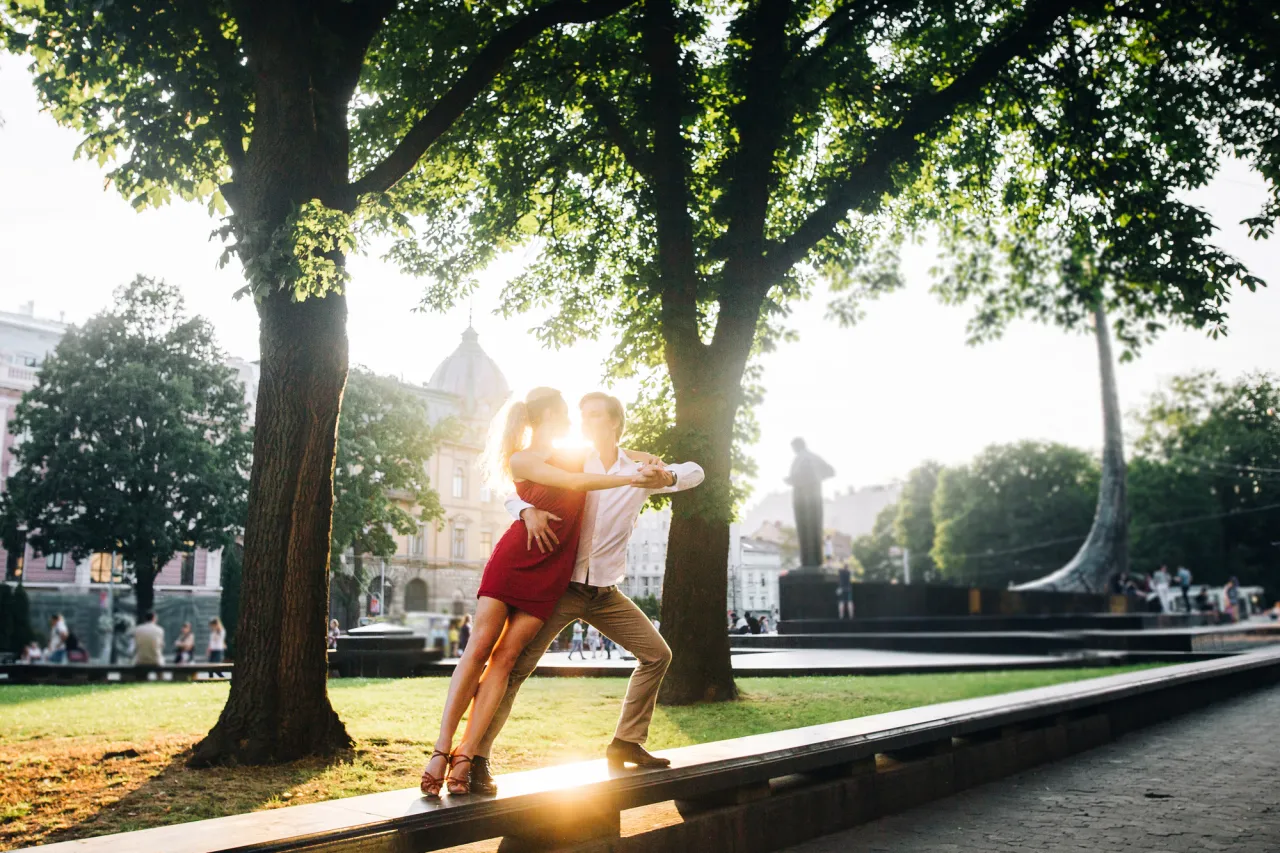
[334,633]
[454,637]
[148,641]
[217,640]
[464,633]
[593,640]
[1184,584]
[185,646]
[575,645]
[57,652]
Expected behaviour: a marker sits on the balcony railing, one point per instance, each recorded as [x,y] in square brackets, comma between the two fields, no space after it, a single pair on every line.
[18,376]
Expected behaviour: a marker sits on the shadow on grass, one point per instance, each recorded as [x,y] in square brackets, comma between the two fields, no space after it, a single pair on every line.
[160,792]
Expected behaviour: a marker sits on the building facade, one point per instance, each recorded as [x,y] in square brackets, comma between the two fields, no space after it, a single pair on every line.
[87,592]
[755,564]
[647,554]
[437,569]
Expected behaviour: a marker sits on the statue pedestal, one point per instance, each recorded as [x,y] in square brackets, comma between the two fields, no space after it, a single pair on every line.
[808,592]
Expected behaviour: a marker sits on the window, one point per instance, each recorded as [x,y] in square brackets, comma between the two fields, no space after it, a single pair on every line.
[26,359]
[459,482]
[14,562]
[460,543]
[486,543]
[55,562]
[485,494]
[188,577]
[100,567]
[415,596]
[416,543]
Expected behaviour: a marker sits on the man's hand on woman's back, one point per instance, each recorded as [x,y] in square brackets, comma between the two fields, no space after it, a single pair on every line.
[537,523]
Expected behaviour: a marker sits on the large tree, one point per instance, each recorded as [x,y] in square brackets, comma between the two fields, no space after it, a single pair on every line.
[689,168]
[308,122]
[381,487]
[134,440]
[1210,478]
[873,552]
[913,525]
[1014,513]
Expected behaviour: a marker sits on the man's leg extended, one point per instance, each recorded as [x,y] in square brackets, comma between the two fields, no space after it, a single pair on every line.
[568,608]
[620,620]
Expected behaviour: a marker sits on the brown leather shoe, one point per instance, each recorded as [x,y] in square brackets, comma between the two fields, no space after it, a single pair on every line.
[620,753]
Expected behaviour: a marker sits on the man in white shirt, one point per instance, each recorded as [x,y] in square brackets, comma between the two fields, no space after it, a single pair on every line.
[148,638]
[608,519]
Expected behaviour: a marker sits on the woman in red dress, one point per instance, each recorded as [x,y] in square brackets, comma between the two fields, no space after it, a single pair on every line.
[520,586]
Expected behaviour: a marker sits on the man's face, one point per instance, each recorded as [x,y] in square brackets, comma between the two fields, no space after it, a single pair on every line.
[597,426]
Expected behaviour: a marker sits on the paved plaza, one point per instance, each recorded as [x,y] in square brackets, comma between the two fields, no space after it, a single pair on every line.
[1206,781]
[763,663]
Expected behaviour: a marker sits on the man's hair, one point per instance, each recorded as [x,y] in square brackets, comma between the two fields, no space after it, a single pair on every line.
[148,616]
[612,405]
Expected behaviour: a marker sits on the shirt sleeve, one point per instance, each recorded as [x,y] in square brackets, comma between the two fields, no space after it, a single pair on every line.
[516,505]
[688,475]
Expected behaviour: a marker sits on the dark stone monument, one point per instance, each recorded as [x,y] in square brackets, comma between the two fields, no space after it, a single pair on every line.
[808,470]
[383,650]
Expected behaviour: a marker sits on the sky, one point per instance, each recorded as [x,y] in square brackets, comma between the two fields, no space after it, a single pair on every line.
[873,400]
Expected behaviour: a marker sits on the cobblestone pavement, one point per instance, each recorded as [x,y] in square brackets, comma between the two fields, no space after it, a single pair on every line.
[1205,781]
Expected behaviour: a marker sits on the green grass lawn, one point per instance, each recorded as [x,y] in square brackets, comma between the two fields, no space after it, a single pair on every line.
[53,739]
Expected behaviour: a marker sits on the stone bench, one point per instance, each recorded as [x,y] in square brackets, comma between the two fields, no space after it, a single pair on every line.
[81,673]
[755,793]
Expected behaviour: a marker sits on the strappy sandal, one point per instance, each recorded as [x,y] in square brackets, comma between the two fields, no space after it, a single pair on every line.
[430,785]
[459,785]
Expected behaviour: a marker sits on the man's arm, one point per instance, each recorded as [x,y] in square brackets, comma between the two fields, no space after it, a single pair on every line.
[687,475]
[537,523]
[516,505]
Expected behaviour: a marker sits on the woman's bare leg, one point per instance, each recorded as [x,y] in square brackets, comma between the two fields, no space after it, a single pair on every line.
[491,619]
[520,631]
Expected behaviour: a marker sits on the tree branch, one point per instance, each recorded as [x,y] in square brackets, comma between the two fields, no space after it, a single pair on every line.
[226,58]
[616,130]
[747,172]
[677,257]
[486,65]
[864,185]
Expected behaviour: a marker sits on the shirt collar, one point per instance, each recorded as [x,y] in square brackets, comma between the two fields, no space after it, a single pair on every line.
[623,460]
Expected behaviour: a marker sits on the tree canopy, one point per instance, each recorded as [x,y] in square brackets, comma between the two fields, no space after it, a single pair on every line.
[1207,491]
[1015,513]
[134,440]
[688,169]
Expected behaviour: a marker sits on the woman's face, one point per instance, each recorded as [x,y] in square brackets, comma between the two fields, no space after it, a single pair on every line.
[556,419]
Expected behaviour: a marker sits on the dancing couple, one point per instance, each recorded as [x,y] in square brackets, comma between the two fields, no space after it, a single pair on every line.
[578,508]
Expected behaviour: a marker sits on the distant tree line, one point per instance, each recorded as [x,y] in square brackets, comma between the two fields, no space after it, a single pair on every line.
[1204,492]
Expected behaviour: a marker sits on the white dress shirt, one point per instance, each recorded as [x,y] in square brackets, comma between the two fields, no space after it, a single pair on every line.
[609,517]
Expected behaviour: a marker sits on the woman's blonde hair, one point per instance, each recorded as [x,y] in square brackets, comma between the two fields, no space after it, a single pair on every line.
[510,432]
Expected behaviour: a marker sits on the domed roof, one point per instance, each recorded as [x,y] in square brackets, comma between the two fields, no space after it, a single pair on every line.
[469,373]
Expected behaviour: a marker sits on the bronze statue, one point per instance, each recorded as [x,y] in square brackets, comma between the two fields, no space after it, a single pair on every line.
[808,470]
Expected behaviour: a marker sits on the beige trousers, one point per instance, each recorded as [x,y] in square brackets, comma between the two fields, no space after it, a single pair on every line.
[620,620]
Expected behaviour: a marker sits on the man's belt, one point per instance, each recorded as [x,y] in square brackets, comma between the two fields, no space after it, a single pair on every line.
[586,587]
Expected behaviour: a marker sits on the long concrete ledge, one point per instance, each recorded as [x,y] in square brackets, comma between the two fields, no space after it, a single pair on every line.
[756,793]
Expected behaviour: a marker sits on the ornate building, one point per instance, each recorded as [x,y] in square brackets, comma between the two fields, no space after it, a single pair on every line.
[437,569]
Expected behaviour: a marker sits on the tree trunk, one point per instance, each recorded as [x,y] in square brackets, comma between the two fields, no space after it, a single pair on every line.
[695,588]
[144,590]
[1106,552]
[278,708]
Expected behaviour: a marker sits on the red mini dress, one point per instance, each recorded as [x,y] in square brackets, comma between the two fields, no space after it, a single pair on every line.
[524,577]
